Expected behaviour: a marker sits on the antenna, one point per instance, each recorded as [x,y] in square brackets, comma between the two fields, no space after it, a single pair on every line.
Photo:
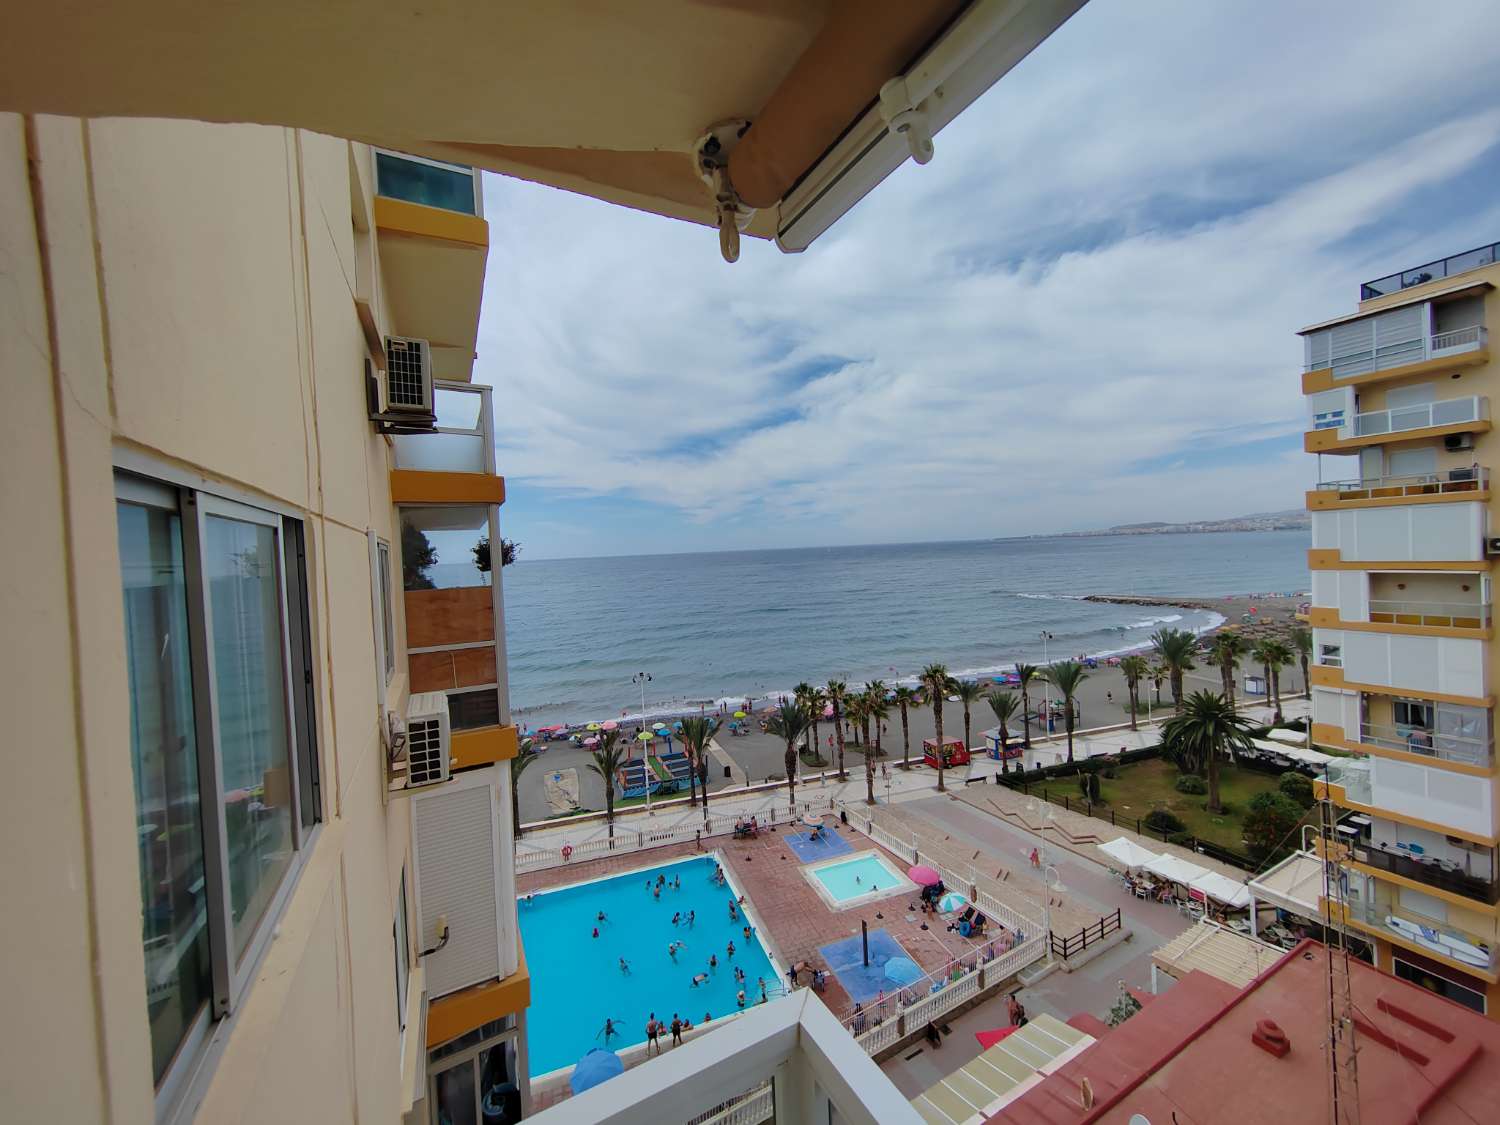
[1343,1051]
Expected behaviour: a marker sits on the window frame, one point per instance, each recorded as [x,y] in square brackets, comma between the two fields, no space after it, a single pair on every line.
[382,602]
[151,487]
[401,933]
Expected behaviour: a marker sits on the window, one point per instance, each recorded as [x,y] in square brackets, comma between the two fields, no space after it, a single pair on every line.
[403,956]
[1412,713]
[433,183]
[473,1080]
[385,621]
[1331,656]
[221,742]
[1430,980]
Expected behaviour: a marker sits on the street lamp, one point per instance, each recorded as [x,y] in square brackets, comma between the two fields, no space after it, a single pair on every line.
[642,679]
[1051,881]
[1046,683]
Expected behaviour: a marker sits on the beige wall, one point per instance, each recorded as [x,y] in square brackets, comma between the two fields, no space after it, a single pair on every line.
[200,281]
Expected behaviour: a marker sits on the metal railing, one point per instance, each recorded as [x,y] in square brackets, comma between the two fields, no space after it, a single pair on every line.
[1430,271]
[1471,750]
[1441,938]
[1074,944]
[1417,484]
[756,1106]
[1433,872]
[1453,615]
[1450,412]
[1459,340]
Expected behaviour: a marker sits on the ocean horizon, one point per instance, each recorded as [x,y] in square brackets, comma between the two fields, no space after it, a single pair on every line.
[724,626]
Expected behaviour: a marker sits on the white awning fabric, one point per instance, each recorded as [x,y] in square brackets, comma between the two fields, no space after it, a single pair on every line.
[1176,870]
[1126,851]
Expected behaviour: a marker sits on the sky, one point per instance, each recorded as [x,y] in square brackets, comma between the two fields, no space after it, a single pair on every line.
[1082,312]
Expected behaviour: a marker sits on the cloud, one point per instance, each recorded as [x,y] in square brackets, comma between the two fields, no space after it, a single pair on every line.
[1097,279]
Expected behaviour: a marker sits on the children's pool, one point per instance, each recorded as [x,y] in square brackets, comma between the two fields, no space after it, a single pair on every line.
[576,979]
[858,879]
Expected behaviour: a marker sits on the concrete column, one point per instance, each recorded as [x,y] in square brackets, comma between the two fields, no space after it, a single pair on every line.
[1254,917]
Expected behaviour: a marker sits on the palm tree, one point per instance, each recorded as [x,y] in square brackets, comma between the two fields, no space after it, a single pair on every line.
[815,701]
[524,757]
[696,731]
[1208,728]
[1225,652]
[1175,649]
[1026,673]
[1273,655]
[935,682]
[969,693]
[836,690]
[1003,704]
[1302,645]
[875,709]
[854,715]
[1158,674]
[789,722]
[1135,668]
[609,756]
[905,699]
[1067,676]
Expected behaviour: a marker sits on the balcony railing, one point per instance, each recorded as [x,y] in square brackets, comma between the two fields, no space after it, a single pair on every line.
[1426,933]
[1354,775]
[461,441]
[1473,750]
[432,183]
[1472,479]
[1434,872]
[1432,271]
[1451,615]
[1451,412]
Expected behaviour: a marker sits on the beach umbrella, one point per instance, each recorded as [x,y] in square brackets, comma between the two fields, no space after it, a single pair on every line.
[644,736]
[611,725]
[923,875]
[903,970]
[739,715]
[658,726]
[591,742]
[988,1039]
[595,1067]
[828,710]
[592,726]
[952,902]
[811,820]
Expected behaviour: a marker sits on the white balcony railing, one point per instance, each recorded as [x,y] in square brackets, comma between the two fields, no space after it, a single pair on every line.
[1441,938]
[1450,615]
[1459,340]
[1473,479]
[1356,356]
[1425,415]
[1475,749]
[1354,775]
[461,442]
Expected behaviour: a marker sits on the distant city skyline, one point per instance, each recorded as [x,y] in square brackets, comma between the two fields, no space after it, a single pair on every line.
[1081,313]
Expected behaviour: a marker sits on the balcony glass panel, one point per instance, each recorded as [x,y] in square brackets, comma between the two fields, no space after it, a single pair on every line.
[1457,737]
[1441,938]
[1354,775]
[1434,872]
[1452,412]
[461,441]
[1441,483]
[448,186]
[1443,267]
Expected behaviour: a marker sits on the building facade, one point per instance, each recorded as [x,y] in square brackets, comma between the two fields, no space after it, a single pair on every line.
[1403,631]
[260,827]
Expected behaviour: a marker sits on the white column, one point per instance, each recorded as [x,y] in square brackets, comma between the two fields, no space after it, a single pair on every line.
[1254,917]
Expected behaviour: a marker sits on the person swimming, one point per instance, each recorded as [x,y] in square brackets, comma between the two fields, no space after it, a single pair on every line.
[700,978]
[676,918]
[729,952]
[713,961]
[624,966]
[601,917]
[740,998]
[692,917]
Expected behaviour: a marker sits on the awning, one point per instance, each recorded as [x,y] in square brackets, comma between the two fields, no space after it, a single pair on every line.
[1003,1072]
[1176,870]
[1290,737]
[1126,851]
[1223,889]
[1235,959]
[1294,885]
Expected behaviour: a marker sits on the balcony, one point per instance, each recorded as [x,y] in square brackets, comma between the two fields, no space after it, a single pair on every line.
[1429,871]
[1454,482]
[1448,615]
[432,183]
[1432,271]
[1353,775]
[1427,415]
[1425,935]
[1465,749]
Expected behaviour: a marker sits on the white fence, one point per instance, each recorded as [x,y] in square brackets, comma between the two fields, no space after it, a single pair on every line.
[757,1106]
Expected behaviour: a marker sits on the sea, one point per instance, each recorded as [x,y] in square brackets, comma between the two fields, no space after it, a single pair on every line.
[736,625]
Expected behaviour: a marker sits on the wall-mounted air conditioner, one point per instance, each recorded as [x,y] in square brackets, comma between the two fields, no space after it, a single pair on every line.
[1456,443]
[400,398]
[429,743]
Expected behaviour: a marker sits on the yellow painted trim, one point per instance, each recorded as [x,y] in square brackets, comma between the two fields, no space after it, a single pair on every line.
[1426,888]
[1323,676]
[484,746]
[1340,797]
[419,486]
[1326,441]
[1391,936]
[417,220]
[1325,617]
[1322,379]
[1332,500]
[451,1016]
[1328,558]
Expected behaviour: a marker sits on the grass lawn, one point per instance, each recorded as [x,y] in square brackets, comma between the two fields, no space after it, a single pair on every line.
[1149,785]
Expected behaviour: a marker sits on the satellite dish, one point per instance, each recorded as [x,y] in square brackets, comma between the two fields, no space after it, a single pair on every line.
[1138,1119]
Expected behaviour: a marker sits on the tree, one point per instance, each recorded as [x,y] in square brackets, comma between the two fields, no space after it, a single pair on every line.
[609,757]
[1297,787]
[417,557]
[905,699]
[1302,646]
[1269,820]
[696,731]
[789,722]
[1207,729]
[1283,656]
[836,690]
[1135,669]
[1067,676]
[481,552]
[1026,673]
[815,702]
[1225,652]
[524,757]
[876,708]
[1175,649]
[969,692]
[935,682]
[1158,674]
[1004,705]
[1271,654]
[802,693]
[854,715]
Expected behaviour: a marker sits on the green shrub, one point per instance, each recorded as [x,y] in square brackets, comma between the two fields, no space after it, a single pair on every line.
[1297,787]
[1181,839]
[1269,823]
[1088,785]
[1164,821]
[1191,783]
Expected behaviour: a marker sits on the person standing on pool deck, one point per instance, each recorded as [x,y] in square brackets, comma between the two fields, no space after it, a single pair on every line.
[653,1035]
[676,1031]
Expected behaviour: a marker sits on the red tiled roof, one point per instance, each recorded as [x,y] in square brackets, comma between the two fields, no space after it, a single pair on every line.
[1189,1054]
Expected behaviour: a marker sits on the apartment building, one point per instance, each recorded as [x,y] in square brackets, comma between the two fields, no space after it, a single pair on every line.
[1403,548]
[255,639]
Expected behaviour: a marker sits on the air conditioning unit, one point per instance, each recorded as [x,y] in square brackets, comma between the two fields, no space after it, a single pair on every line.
[1457,443]
[1492,545]
[429,742]
[400,398]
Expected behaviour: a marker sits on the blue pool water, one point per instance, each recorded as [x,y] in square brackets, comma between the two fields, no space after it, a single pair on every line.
[861,875]
[576,981]
[829,845]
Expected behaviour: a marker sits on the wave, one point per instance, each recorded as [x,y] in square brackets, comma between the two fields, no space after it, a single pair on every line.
[1051,597]
[1146,623]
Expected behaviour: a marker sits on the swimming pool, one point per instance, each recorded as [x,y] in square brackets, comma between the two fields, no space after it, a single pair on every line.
[857,879]
[576,979]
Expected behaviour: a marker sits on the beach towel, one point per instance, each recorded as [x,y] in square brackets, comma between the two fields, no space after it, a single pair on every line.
[561,788]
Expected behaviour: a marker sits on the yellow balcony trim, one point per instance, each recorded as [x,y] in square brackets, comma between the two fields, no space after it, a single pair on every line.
[1328,558]
[1323,676]
[1326,617]
[1396,880]
[484,746]
[417,220]
[419,486]
[1385,933]
[1338,795]
[1322,379]
[460,1012]
[1330,499]
[1325,441]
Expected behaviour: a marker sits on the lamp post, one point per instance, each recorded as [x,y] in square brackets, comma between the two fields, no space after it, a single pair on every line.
[1051,881]
[1046,684]
[641,679]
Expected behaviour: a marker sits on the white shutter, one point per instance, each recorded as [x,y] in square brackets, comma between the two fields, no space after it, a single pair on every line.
[1398,336]
[1315,350]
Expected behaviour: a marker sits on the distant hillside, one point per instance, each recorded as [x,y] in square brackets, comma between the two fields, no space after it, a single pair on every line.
[1294,519]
